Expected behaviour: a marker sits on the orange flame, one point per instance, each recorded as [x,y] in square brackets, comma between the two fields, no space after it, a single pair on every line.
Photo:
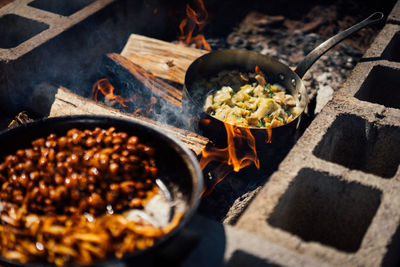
[188,25]
[257,69]
[240,140]
[269,132]
[107,89]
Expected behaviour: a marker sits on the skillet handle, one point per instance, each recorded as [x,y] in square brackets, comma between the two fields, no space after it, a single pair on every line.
[309,60]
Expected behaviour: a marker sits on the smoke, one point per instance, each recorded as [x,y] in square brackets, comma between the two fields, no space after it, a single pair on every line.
[73,57]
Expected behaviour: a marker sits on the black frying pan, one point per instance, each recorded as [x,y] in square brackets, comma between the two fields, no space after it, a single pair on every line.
[209,65]
[178,167]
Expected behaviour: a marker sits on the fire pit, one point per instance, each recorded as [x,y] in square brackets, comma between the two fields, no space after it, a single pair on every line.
[322,198]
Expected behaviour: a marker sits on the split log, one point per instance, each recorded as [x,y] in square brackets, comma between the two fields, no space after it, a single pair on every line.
[125,71]
[63,102]
[165,60]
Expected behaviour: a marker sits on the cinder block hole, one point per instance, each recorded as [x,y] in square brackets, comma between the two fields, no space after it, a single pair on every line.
[15,30]
[323,208]
[392,256]
[241,258]
[358,144]
[61,7]
[392,51]
[381,87]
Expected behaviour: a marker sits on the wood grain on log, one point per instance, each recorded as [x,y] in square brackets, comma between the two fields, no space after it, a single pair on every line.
[163,59]
[68,103]
[125,71]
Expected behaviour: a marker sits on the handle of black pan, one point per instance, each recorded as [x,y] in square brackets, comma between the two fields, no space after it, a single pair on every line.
[309,60]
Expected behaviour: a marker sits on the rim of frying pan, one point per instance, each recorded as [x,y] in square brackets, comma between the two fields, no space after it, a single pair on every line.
[40,127]
[240,59]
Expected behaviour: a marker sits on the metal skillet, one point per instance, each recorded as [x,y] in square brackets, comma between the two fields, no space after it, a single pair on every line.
[180,179]
[209,65]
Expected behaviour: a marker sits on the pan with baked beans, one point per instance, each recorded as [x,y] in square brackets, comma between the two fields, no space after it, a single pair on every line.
[87,189]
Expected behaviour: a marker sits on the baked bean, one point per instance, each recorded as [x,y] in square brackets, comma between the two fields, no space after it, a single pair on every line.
[90,142]
[88,132]
[153,171]
[19,167]
[50,144]
[58,179]
[71,181]
[34,175]
[52,137]
[42,161]
[62,190]
[133,140]
[123,135]
[53,195]
[48,202]
[91,188]
[125,153]
[62,141]
[28,165]
[107,140]
[95,200]
[117,140]
[14,178]
[30,153]
[128,187]
[23,180]
[110,197]
[148,150]
[20,153]
[38,142]
[43,189]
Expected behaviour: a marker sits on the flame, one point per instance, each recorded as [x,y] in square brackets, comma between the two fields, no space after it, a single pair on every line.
[257,69]
[107,89]
[188,25]
[269,132]
[240,153]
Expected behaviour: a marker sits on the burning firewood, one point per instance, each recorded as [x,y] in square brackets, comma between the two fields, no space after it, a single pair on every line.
[127,71]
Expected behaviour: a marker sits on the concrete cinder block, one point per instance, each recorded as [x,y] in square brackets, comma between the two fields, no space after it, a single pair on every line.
[335,196]
[383,52]
[46,25]
[233,247]
[394,16]
[31,50]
